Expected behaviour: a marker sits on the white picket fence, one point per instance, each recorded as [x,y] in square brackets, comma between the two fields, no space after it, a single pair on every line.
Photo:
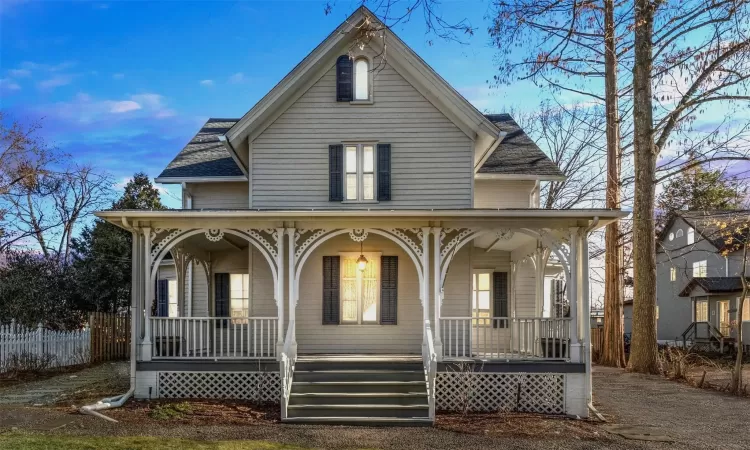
[58,348]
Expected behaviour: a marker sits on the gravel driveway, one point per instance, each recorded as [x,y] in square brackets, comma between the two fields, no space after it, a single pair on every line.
[694,418]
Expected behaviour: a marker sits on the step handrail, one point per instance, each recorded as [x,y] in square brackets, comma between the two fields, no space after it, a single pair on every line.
[429,358]
[286,367]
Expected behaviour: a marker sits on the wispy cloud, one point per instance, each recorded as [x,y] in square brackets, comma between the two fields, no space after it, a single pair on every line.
[237,78]
[55,82]
[208,83]
[124,106]
[118,76]
[7,85]
[19,73]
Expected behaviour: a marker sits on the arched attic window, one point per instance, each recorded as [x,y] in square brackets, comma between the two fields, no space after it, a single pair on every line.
[361,79]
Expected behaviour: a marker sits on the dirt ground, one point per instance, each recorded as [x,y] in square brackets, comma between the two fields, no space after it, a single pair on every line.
[690,417]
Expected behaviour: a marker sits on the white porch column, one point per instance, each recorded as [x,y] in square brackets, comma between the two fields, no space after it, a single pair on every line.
[586,311]
[279,289]
[438,290]
[425,277]
[292,288]
[573,284]
[148,295]
[539,267]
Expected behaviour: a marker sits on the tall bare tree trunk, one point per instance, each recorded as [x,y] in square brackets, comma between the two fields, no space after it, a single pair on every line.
[643,348]
[613,353]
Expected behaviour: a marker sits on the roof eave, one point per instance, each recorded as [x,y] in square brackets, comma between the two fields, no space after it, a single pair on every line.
[218,179]
[518,176]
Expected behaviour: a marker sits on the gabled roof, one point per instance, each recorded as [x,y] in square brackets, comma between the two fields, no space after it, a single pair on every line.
[713,285]
[706,224]
[204,156]
[401,56]
[517,152]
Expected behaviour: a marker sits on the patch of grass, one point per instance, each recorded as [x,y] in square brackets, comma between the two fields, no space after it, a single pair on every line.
[20,441]
[171,411]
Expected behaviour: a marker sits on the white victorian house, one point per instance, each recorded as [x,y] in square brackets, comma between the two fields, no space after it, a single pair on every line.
[357,246]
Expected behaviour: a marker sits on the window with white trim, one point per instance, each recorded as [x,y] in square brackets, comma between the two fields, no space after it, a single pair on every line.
[360,289]
[700,269]
[361,79]
[239,296]
[359,161]
[679,233]
[745,309]
[690,236]
[172,305]
[672,274]
[481,300]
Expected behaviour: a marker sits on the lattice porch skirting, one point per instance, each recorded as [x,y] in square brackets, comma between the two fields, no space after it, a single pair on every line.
[489,392]
[256,386]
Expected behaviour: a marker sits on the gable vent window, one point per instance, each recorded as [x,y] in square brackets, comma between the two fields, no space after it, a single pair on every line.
[361,81]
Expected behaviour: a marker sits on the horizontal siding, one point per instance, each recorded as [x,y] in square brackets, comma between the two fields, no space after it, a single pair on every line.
[502,193]
[314,337]
[431,158]
[220,195]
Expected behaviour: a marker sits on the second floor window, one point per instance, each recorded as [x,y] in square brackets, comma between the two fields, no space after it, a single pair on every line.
[359,161]
[691,236]
[700,269]
[672,274]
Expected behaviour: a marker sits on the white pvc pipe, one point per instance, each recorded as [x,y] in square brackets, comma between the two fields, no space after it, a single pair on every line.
[117,401]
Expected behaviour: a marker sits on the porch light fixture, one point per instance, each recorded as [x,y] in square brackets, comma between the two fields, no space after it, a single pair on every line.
[361,261]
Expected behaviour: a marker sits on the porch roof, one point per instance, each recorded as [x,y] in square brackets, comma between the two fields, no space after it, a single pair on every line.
[547,218]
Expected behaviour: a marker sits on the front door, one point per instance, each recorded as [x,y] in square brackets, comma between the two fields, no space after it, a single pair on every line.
[723,317]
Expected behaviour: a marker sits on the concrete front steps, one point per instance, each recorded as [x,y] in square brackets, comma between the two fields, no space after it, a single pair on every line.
[359,391]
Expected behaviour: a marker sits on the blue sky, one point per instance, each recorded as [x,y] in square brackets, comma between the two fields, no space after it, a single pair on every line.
[124,85]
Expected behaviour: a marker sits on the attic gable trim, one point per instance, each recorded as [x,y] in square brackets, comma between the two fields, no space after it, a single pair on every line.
[180,180]
[241,129]
[445,97]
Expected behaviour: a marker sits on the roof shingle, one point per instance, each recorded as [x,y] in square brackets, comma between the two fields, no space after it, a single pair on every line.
[205,155]
[517,153]
[713,285]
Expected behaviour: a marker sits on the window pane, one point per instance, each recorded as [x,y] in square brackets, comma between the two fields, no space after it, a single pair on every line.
[351,186]
[369,159]
[351,159]
[484,299]
[360,80]
[369,300]
[349,300]
[484,282]
[172,299]
[368,181]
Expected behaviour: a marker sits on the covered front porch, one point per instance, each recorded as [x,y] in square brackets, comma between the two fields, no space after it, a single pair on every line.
[446,287]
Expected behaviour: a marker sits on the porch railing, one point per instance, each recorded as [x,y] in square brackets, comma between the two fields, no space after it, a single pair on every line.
[505,337]
[213,337]
[286,367]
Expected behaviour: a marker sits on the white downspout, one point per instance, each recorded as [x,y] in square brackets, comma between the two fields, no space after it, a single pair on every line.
[116,402]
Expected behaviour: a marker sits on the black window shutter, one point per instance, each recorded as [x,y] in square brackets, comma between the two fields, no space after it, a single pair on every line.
[500,298]
[388,290]
[162,298]
[344,79]
[221,305]
[384,172]
[331,282]
[336,173]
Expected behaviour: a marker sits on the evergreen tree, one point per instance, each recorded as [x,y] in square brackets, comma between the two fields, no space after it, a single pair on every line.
[698,189]
[102,253]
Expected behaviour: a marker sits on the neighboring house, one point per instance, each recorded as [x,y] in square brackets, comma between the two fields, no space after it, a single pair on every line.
[698,286]
[627,312]
[351,239]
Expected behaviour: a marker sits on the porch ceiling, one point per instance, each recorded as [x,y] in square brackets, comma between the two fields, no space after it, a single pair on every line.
[491,241]
[482,218]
